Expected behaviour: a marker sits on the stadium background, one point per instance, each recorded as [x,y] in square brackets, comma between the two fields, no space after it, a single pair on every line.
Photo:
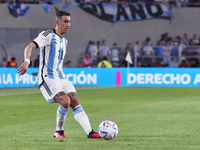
[157,118]
[16,33]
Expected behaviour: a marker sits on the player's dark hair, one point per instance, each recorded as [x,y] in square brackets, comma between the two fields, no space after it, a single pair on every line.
[62,13]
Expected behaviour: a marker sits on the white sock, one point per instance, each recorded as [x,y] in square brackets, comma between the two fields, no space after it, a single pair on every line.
[61,116]
[81,117]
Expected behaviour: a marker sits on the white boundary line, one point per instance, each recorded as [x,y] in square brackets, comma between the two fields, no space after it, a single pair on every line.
[78,89]
[19,93]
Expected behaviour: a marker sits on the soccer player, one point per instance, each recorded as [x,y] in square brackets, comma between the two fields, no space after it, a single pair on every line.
[52,82]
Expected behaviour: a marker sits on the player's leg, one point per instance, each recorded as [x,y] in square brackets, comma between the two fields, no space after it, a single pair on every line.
[80,116]
[53,93]
[62,110]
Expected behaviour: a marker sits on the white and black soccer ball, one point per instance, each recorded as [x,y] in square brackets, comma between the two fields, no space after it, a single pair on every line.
[108,130]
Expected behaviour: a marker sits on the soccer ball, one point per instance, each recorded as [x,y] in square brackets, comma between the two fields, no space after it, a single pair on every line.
[108,130]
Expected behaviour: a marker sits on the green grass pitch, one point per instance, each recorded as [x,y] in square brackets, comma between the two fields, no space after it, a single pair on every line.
[149,118]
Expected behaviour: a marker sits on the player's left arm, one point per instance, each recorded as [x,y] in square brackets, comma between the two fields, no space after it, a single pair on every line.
[27,53]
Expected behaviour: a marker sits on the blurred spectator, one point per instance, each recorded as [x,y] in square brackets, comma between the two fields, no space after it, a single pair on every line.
[123,62]
[194,61]
[164,37]
[148,42]
[80,64]
[11,62]
[87,61]
[128,49]
[171,40]
[98,52]
[185,39]
[183,63]
[148,49]
[139,64]
[174,48]
[137,48]
[191,43]
[195,39]
[98,43]
[167,49]
[116,64]
[193,3]
[4,62]
[36,62]
[180,47]
[184,3]
[174,62]
[114,53]
[68,64]
[159,49]
[93,53]
[104,49]
[88,47]
[162,64]
[104,63]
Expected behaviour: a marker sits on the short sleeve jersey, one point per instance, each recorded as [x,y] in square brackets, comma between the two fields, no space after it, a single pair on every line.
[52,53]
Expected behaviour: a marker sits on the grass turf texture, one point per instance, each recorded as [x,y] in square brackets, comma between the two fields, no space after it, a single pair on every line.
[149,118]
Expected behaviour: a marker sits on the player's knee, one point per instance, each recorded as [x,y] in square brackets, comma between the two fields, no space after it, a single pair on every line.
[63,100]
[66,102]
[74,102]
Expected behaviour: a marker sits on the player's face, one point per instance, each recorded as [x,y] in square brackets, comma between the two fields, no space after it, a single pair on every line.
[64,24]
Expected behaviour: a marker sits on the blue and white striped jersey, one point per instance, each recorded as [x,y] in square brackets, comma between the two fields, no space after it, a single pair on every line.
[52,53]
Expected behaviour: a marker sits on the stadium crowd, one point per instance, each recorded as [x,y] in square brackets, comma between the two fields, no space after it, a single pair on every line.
[179,51]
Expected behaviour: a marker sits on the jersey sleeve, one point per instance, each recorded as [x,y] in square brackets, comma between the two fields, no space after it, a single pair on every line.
[42,40]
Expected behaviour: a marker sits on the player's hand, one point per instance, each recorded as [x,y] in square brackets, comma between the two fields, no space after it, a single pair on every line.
[23,68]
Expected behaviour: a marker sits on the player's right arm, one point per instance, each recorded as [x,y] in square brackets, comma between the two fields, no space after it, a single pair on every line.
[27,53]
